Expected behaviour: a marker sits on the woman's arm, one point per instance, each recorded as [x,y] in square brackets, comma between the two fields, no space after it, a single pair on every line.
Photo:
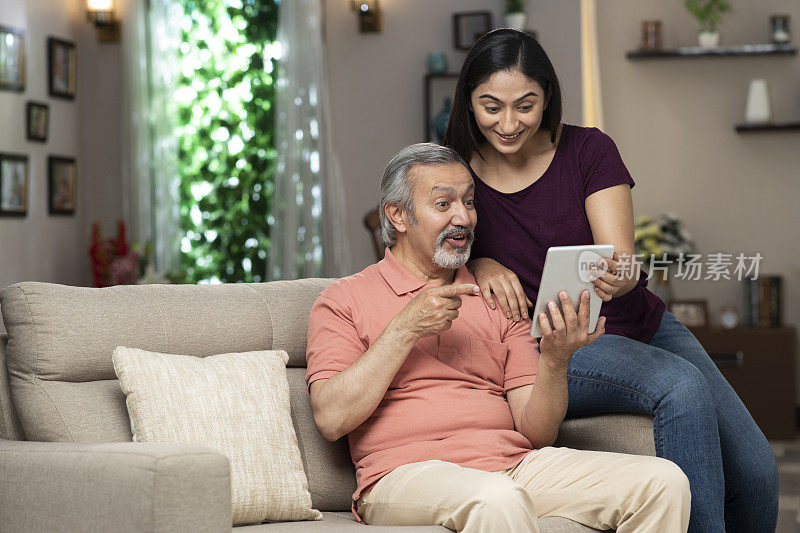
[610,214]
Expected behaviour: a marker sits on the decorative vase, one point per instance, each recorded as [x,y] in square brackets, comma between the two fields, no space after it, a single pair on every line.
[442,118]
[708,39]
[758,107]
[660,286]
[651,35]
[516,20]
[437,63]
[779,29]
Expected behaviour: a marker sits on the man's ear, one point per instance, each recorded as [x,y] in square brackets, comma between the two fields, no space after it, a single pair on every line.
[397,216]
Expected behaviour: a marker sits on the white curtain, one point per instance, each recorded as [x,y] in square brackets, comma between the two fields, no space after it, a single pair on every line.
[307,228]
[150,151]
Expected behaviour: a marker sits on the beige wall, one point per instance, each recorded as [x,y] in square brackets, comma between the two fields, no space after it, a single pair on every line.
[673,121]
[377,84]
[49,248]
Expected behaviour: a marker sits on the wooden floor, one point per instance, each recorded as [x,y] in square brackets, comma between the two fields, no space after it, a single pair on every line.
[787,455]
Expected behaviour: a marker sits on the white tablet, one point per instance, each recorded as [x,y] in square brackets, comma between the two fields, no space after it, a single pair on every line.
[566,268]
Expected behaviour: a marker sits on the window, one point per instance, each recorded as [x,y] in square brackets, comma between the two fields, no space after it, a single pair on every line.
[224,97]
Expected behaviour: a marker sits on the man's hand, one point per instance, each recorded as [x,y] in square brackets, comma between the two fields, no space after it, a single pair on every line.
[569,332]
[432,311]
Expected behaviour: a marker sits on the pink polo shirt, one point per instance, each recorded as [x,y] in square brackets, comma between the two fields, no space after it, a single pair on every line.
[447,401]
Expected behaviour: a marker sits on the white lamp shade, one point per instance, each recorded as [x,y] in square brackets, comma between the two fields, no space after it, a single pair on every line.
[100,5]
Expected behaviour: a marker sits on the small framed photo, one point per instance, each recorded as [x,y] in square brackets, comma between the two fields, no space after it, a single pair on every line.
[62,68]
[12,59]
[691,313]
[62,178]
[469,26]
[13,185]
[37,119]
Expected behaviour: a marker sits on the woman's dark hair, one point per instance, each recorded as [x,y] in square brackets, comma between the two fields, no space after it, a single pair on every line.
[499,50]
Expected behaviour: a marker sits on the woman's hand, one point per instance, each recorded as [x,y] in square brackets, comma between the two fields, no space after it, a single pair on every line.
[570,331]
[609,284]
[492,277]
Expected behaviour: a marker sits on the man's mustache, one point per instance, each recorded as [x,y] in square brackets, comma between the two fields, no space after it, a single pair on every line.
[455,230]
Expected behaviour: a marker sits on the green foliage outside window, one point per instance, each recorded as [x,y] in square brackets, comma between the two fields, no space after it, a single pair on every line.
[227,155]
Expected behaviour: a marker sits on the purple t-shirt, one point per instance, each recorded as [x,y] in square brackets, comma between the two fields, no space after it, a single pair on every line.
[516,229]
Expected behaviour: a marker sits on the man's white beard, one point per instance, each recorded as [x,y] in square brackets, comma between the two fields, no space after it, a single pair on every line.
[456,258]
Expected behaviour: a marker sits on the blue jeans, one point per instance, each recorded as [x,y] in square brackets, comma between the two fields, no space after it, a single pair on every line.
[700,423]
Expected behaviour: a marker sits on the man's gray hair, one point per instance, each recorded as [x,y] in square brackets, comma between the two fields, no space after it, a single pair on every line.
[396,187]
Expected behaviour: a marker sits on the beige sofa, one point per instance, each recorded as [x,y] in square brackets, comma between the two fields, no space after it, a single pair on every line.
[66,460]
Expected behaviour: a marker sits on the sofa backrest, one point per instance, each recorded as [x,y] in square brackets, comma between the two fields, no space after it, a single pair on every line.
[60,340]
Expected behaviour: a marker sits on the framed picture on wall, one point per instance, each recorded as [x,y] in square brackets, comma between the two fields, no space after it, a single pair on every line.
[469,26]
[62,68]
[62,178]
[691,313]
[37,120]
[12,59]
[13,185]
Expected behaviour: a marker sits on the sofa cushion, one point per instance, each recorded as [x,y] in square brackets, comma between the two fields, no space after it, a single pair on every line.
[9,422]
[330,471]
[236,403]
[61,339]
[344,522]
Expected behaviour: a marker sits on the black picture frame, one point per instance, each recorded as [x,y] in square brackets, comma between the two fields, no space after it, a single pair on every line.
[37,121]
[62,68]
[691,313]
[468,26]
[62,184]
[12,79]
[14,185]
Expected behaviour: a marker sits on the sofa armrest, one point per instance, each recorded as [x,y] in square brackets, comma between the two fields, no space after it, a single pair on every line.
[622,433]
[121,486]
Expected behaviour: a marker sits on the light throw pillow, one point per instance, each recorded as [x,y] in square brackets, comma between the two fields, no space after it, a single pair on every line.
[237,403]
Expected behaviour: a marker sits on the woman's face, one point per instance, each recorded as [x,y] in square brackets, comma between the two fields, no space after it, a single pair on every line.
[508,108]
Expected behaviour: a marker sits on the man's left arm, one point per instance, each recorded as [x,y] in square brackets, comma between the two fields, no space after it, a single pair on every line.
[539,408]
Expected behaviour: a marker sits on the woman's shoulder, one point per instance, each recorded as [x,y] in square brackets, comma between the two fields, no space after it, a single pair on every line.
[589,143]
[582,134]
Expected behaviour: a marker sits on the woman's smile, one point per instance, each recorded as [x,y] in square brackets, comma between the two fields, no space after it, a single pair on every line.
[509,139]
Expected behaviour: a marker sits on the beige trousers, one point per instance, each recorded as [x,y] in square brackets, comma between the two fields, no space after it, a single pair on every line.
[598,489]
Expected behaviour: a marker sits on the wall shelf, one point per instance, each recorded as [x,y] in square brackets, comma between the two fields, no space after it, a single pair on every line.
[720,51]
[445,79]
[773,126]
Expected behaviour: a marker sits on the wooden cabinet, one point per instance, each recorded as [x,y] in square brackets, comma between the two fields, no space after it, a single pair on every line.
[760,366]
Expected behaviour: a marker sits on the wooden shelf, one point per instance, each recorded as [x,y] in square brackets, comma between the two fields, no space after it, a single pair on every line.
[442,75]
[720,51]
[429,80]
[773,126]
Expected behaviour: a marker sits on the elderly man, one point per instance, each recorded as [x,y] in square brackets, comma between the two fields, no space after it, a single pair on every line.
[449,407]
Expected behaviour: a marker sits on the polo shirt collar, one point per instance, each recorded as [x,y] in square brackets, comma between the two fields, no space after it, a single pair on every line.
[402,281]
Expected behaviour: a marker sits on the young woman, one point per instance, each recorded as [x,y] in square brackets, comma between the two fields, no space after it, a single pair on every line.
[541,183]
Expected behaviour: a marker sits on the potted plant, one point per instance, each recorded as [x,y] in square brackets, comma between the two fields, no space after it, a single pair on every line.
[707,13]
[663,241]
[515,15]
